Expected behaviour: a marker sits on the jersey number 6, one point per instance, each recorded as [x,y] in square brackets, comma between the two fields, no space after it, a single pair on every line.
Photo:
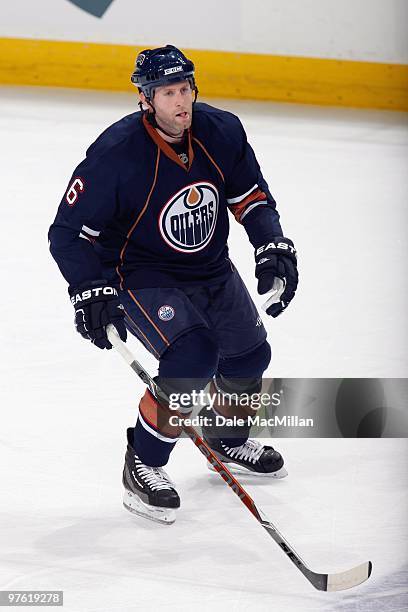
[73,192]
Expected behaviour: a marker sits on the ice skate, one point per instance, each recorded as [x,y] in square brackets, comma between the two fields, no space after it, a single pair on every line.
[149,492]
[251,457]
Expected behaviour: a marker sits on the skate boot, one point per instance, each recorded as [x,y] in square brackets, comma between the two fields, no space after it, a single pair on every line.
[251,457]
[149,492]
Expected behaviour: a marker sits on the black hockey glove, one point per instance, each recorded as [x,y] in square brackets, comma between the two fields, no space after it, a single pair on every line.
[277,273]
[96,305]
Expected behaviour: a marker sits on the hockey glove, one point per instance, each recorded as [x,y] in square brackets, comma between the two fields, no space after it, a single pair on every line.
[96,305]
[277,273]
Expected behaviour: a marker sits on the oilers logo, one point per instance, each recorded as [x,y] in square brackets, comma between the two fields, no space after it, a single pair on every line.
[187,221]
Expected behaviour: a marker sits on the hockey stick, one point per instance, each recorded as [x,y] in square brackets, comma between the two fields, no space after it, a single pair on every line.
[322,582]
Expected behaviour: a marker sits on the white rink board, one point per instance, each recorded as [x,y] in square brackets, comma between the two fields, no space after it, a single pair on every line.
[367,30]
[65,404]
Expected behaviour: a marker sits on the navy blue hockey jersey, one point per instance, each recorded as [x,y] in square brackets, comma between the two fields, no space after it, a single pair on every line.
[136,209]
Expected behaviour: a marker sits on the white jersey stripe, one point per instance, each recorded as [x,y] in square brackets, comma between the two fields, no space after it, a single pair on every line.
[241,197]
[90,231]
[251,207]
[81,235]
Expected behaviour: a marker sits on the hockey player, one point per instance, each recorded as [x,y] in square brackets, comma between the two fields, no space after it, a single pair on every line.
[141,237]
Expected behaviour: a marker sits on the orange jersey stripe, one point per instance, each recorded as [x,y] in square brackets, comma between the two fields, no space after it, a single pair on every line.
[166,148]
[238,209]
[210,158]
[140,215]
[142,334]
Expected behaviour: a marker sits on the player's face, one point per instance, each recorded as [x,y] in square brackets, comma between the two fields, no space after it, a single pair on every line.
[174,107]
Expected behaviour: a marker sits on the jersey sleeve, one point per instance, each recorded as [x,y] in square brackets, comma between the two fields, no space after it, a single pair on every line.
[86,208]
[248,195]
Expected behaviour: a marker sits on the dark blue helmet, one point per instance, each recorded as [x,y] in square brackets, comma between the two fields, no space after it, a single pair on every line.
[163,66]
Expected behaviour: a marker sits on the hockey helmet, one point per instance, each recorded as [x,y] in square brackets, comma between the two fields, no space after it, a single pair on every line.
[162,66]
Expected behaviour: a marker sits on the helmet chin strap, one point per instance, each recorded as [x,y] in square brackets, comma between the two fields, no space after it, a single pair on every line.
[151,116]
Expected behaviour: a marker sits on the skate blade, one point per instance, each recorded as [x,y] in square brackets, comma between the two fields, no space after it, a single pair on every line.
[238,469]
[133,503]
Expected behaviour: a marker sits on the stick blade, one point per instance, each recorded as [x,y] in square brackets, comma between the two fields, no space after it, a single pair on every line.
[350,578]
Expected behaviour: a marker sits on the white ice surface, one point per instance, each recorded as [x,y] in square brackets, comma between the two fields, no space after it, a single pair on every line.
[341,181]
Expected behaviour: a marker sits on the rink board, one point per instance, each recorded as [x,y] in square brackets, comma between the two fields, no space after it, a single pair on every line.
[219,73]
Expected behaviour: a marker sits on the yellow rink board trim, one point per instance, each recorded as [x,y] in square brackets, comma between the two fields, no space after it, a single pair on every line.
[219,73]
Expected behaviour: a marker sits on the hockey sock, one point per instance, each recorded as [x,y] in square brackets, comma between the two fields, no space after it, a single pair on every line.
[154,438]
[230,435]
